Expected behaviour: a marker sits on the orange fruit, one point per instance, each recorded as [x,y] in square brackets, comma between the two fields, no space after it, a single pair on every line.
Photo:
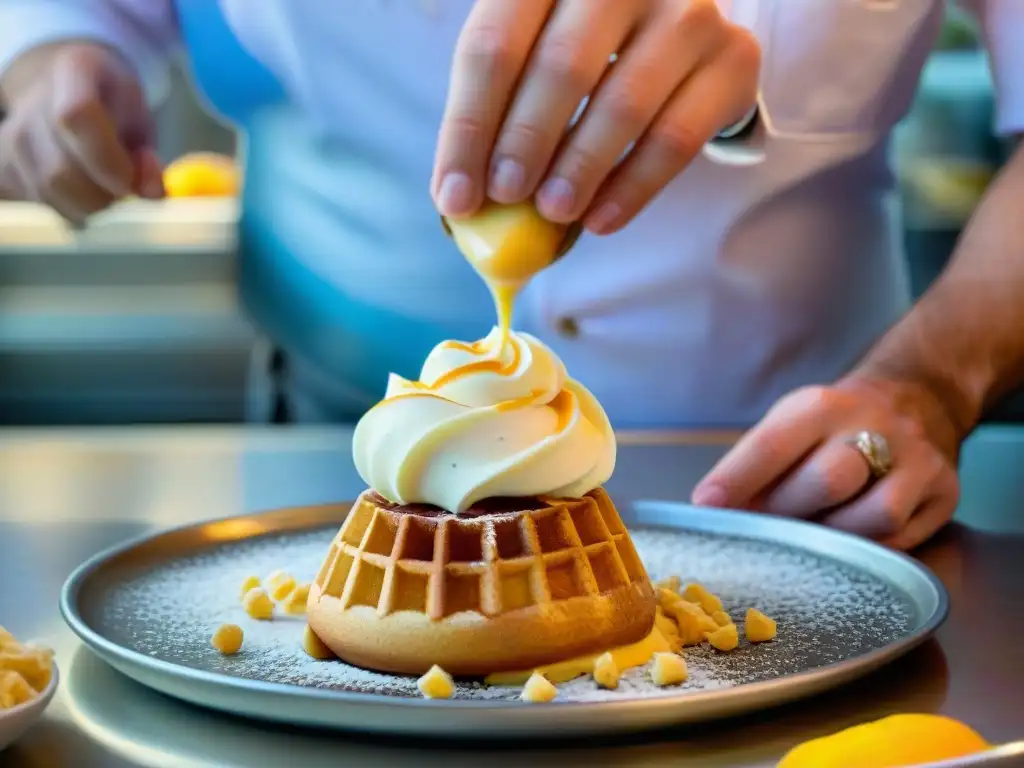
[892,742]
[202,174]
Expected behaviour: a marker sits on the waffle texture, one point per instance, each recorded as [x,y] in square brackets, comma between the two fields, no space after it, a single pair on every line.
[510,588]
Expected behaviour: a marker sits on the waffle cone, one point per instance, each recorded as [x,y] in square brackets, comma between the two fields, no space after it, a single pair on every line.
[404,588]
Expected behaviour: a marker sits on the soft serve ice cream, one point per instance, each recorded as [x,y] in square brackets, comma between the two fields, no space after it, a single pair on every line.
[485,419]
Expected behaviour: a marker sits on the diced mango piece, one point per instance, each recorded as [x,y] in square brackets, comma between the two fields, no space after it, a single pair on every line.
[250,583]
[668,669]
[606,673]
[721,618]
[279,585]
[724,638]
[758,627]
[671,584]
[227,639]
[295,603]
[696,593]
[258,605]
[14,690]
[436,684]
[538,690]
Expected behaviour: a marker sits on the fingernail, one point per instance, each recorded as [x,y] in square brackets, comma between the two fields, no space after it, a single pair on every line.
[557,198]
[603,219]
[508,181]
[709,496]
[455,197]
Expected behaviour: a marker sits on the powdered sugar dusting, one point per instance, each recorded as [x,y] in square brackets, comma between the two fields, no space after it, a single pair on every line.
[827,612]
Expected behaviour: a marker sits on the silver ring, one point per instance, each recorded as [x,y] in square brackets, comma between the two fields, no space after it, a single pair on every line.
[875,450]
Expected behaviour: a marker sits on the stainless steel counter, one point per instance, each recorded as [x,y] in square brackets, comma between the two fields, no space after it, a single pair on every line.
[64,495]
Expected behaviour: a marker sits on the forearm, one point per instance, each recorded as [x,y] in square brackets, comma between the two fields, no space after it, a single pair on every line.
[964,339]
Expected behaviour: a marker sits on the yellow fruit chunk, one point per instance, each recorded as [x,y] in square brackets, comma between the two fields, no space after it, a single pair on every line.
[758,627]
[721,618]
[257,604]
[695,593]
[693,622]
[666,597]
[436,684]
[724,638]
[250,583]
[538,690]
[668,669]
[295,603]
[606,673]
[279,585]
[670,584]
[202,174]
[892,742]
[14,690]
[314,646]
[227,639]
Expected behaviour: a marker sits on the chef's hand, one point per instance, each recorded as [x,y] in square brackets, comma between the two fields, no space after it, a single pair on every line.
[78,134]
[521,70]
[798,462]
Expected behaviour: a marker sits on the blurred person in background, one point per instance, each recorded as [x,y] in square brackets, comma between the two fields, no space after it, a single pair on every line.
[768,267]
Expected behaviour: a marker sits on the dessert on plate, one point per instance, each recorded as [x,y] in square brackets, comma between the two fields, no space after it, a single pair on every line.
[485,541]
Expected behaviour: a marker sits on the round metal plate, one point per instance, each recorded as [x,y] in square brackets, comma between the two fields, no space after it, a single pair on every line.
[845,607]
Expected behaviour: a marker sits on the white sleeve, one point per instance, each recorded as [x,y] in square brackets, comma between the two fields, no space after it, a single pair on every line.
[144,31]
[1002,29]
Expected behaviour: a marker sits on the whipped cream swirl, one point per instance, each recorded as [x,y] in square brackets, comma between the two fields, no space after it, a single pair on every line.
[486,419]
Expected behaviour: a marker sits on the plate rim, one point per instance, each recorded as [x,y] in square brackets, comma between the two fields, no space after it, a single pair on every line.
[796,686]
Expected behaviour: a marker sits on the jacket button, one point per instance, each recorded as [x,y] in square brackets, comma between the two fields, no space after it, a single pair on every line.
[568,327]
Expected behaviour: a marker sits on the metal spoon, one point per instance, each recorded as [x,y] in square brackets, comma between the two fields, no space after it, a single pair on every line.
[572,234]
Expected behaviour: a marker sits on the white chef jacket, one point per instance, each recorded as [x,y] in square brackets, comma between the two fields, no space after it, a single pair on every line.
[737,284]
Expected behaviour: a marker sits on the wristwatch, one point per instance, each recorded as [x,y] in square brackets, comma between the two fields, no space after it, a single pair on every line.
[741,129]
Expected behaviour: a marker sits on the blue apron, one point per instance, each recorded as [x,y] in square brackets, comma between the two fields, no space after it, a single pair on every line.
[339,349]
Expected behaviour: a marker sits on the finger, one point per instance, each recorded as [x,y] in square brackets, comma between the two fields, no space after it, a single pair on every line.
[714,97]
[662,55]
[885,509]
[86,130]
[930,517]
[566,65]
[149,181]
[834,474]
[490,55]
[64,184]
[790,431]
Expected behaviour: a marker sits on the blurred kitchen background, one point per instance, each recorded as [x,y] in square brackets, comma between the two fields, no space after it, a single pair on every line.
[136,321]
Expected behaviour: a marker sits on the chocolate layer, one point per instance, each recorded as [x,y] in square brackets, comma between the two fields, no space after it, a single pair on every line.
[497,505]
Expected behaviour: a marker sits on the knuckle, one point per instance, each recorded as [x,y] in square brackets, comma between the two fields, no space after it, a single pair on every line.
[744,50]
[890,517]
[563,58]
[465,127]
[582,164]
[678,141]
[626,104]
[697,16]
[486,47]
[520,140]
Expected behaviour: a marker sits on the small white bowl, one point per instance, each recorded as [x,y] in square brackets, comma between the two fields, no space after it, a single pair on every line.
[15,721]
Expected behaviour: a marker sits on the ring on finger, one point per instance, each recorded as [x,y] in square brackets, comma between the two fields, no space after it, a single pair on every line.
[875,450]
